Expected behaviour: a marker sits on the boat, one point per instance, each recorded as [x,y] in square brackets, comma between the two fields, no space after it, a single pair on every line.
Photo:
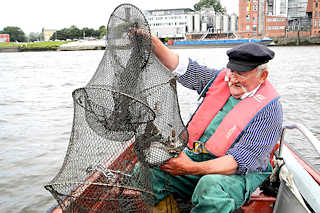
[215,43]
[295,183]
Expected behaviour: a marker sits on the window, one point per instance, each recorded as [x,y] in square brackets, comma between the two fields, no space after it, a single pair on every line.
[248,18]
[254,27]
[253,19]
[316,4]
[276,27]
[254,7]
[247,28]
[315,14]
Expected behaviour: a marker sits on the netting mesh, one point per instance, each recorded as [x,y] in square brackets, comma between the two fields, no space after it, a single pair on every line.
[126,120]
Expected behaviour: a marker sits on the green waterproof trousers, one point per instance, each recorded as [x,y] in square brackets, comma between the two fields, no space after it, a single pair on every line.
[208,193]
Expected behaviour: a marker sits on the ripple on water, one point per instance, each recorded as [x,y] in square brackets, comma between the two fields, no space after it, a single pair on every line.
[3,121]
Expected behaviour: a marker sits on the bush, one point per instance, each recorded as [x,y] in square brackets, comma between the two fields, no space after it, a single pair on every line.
[35,46]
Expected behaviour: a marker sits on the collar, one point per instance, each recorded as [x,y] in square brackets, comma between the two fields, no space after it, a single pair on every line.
[251,93]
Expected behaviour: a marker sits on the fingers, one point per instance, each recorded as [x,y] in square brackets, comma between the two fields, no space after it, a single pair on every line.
[138,32]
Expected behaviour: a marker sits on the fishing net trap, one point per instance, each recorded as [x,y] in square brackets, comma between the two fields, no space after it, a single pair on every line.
[126,121]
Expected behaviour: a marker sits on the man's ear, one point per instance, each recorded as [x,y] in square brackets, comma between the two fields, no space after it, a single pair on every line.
[263,76]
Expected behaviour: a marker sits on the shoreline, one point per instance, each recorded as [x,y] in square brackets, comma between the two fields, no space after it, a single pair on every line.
[101,45]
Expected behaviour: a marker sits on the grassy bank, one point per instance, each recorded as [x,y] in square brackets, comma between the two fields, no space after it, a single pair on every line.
[34,46]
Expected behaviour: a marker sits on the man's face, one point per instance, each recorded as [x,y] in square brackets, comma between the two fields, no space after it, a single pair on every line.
[242,82]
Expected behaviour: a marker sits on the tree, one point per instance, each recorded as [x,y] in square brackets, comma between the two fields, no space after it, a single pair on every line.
[16,34]
[102,31]
[89,32]
[73,32]
[215,4]
[34,36]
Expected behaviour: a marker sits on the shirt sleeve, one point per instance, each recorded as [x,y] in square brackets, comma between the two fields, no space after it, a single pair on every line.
[194,76]
[182,66]
[252,150]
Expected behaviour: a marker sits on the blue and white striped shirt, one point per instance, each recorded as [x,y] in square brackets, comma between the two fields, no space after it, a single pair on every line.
[253,148]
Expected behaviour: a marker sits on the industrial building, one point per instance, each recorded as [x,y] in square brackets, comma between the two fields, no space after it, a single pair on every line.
[257,19]
[186,23]
[278,18]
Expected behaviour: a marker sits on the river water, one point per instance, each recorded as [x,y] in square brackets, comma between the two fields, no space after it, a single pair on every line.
[36,111]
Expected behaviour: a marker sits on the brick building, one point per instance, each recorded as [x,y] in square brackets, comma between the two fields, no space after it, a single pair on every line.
[257,19]
[278,18]
[248,18]
[313,6]
[275,26]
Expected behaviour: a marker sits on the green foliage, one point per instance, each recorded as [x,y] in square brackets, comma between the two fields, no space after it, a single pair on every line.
[90,32]
[67,33]
[210,4]
[34,37]
[16,34]
[74,32]
[35,46]
[102,31]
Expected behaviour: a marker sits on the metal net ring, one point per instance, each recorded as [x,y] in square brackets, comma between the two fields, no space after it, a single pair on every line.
[128,29]
[116,116]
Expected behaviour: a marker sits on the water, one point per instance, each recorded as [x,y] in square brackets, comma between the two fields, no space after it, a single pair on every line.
[36,111]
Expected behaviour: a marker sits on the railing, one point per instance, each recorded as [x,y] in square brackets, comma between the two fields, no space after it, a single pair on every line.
[206,33]
[300,175]
[307,133]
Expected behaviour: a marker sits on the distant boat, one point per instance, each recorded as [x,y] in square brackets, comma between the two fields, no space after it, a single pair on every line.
[216,43]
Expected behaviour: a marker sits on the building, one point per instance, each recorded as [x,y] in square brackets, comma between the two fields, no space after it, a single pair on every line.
[4,38]
[275,26]
[313,7]
[278,18]
[185,23]
[249,18]
[207,24]
[256,21]
[47,33]
[168,23]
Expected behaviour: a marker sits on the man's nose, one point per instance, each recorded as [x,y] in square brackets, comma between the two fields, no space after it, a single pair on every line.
[233,79]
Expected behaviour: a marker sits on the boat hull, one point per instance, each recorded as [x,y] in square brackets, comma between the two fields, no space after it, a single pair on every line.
[216,43]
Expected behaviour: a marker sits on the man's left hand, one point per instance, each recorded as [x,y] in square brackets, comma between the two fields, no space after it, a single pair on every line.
[180,165]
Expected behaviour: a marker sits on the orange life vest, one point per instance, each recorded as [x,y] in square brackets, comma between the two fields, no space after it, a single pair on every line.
[234,122]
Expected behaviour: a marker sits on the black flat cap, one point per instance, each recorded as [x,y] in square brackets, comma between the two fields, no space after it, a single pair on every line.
[248,56]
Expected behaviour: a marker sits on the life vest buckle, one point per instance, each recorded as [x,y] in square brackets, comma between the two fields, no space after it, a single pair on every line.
[198,147]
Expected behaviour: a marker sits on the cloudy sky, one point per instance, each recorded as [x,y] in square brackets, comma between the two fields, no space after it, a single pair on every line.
[33,15]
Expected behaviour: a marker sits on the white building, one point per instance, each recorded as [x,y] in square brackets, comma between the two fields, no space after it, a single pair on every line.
[186,23]
[233,23]
[169,23]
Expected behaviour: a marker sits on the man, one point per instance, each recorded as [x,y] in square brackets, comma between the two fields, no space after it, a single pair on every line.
[231,135]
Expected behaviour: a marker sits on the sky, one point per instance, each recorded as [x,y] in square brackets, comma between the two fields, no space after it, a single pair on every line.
[33,15]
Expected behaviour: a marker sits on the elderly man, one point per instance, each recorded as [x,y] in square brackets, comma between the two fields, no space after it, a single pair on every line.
[231,135]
